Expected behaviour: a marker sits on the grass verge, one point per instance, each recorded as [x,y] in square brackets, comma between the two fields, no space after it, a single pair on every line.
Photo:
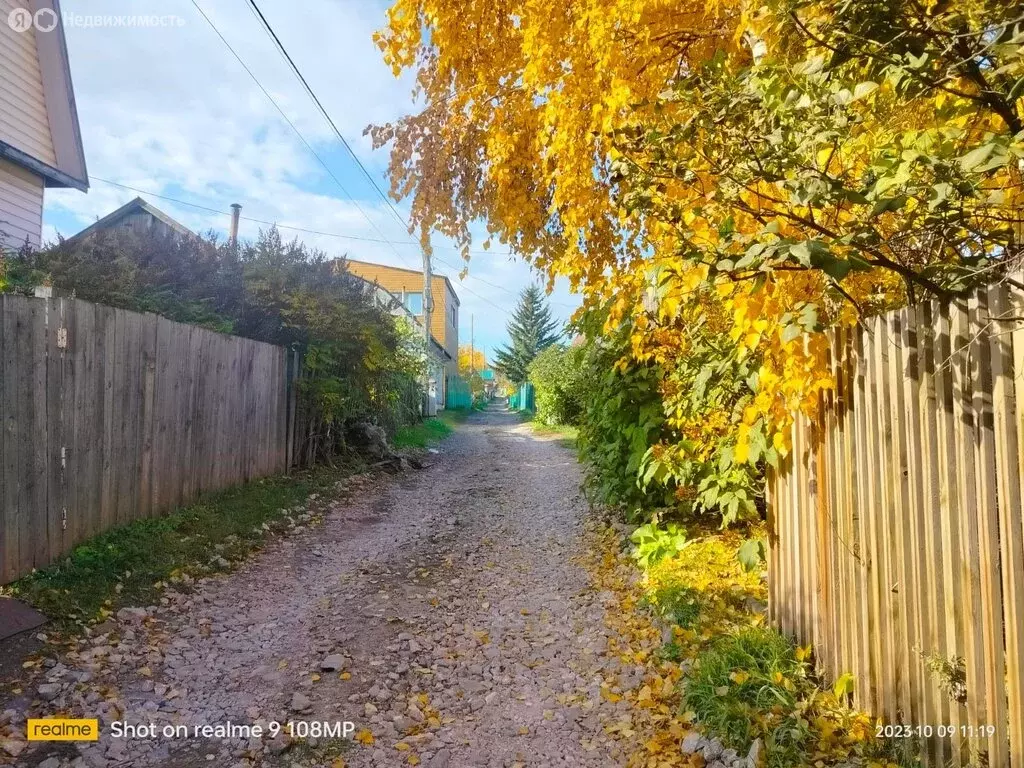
[564,433]
[431,430]
[131,564]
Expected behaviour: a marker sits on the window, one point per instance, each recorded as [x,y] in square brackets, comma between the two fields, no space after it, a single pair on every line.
[414,302]
[455,317]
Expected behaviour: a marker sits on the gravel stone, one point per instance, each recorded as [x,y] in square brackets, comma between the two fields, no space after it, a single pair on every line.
[396,570]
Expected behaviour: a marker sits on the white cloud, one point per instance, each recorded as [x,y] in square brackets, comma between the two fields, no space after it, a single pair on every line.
[170,111]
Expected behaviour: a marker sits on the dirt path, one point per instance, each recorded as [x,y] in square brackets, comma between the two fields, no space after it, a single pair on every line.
[459,629]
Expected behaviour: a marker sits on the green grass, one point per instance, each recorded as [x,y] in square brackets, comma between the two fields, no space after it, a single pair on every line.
[126,565]
[679,604]
[423,434]
[565,434]
[431,430]
[729,709]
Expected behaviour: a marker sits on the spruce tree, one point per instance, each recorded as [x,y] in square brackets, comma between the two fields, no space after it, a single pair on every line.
[530,330]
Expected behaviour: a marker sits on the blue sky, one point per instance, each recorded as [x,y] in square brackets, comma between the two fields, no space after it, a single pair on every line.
[168,109]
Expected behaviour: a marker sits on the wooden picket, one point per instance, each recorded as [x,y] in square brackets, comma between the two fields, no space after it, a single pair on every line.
[107,416]
[895,524]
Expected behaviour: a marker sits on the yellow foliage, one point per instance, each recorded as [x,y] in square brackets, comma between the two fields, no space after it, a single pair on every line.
[529,113]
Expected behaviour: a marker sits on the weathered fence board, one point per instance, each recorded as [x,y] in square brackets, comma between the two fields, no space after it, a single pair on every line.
[107,416]
[895,523]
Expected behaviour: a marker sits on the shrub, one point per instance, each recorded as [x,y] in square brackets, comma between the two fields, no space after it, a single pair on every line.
[652,544]
[558,377]
[622,417]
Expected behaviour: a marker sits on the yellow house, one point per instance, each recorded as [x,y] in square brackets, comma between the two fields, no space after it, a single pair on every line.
[406,285]
[40,144]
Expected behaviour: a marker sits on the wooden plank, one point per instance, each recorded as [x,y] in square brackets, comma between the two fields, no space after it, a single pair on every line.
[199,387]
[963,326]
[192,342]
[874,452]
[950,509]
[1008,408]
[915,552]
[56,407]
[84,467]
[106,321]
[866,691]
[932,474]
[32,402]
[148,350]
[853,562]
[249,387]
[829,489]
[782,604]
[1006,412]
[836,510]
[889,529]
[795,531]
[11,477]
[988,565]
[164,418]
[124,421]
[901,552]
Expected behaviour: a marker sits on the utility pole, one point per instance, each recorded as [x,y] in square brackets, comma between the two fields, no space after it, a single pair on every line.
[472,352]
[428,307]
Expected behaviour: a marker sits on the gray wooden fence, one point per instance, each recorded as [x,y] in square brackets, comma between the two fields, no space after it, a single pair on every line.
[109,415]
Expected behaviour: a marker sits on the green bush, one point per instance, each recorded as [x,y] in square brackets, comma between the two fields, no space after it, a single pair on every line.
[558,375]
[622,418]
[652,544]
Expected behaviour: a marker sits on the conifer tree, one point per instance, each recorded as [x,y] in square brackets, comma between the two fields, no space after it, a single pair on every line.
[530,330]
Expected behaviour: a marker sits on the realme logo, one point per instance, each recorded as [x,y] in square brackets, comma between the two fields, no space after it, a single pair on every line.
[60,729]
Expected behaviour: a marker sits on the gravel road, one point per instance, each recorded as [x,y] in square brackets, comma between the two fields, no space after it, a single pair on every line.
[440,611]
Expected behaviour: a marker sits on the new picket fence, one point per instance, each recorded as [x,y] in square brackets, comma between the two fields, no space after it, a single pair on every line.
[107,416]
[895,525]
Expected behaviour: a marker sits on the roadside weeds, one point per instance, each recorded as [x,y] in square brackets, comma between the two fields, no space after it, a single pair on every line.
[722,689]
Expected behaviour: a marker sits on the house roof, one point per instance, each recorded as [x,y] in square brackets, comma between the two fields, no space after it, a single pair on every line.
[138,205]
[59,96]
[408,271]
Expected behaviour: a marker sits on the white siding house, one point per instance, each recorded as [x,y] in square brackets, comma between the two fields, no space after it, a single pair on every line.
[40,143]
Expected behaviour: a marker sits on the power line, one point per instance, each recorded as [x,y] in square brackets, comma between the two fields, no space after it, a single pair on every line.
[323,111]
[284,52]
[292,125]
[308,146]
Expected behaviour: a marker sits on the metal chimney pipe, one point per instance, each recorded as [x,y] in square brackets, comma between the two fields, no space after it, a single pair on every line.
[236,211]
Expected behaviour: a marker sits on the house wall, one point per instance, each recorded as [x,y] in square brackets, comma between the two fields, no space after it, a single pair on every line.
[143,223]
[399,281]
[24,123]
[21,205]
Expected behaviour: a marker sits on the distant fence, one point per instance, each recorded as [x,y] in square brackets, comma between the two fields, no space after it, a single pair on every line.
[523,398]
[109,415]
[458,393]
[896,525]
